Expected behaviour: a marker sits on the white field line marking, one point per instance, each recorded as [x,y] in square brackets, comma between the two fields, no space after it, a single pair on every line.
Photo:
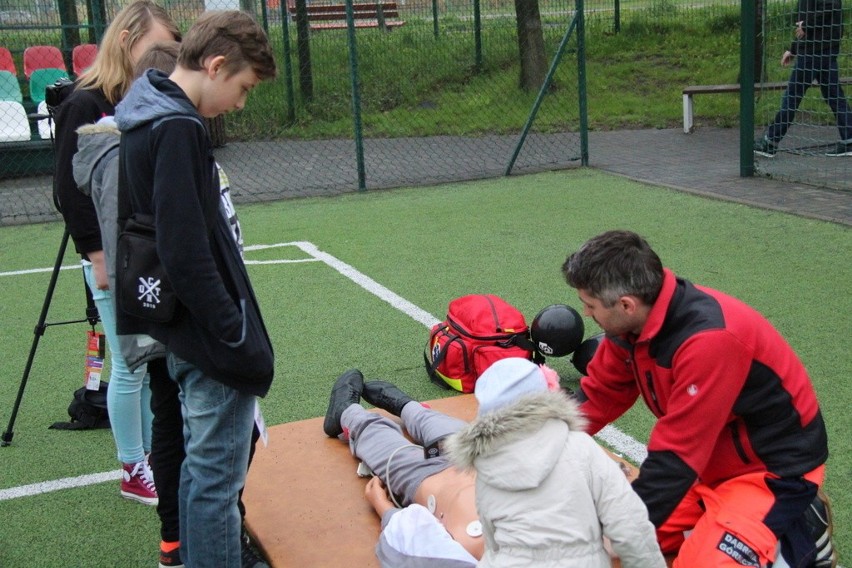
[370,285]
[618,440]
[248,248]
[57,484]
[37,270]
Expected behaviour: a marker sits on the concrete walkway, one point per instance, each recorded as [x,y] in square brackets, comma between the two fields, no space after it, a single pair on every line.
[704,163]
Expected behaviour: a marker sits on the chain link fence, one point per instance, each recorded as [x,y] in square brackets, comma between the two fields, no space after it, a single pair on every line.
[808,152]
[442,94]
[417,64]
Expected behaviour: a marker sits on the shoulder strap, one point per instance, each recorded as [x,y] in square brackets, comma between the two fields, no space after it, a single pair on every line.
[124,208]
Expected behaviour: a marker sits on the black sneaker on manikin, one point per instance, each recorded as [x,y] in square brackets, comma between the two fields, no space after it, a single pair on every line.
[345,392]
[386,396]
[249,556]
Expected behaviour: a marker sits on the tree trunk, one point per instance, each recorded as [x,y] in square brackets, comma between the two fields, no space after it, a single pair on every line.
[303,50]
[530,45]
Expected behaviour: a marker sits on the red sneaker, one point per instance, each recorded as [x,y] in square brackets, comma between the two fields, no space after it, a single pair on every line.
[137,483]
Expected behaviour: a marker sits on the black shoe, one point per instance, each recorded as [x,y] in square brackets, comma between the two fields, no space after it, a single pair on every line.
[841,149]
[386,396]
[820,525]
[249,556]
[765,148]
[346,391]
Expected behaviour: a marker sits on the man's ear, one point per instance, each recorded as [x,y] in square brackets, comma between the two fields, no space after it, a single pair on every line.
[629,304]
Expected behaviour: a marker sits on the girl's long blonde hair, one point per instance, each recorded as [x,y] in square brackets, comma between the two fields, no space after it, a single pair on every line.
[112,70]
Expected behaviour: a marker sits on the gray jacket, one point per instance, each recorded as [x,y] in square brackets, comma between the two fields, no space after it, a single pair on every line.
[547,494]
[95,167]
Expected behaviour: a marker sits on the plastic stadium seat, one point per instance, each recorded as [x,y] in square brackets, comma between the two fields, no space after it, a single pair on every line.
[42,57]
[14,124]
[82,56]
[40,79]
[46,126]
[6,61]
[10,88]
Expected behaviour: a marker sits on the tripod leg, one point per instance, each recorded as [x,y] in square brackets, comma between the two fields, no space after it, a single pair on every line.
[38,332]
[92,315]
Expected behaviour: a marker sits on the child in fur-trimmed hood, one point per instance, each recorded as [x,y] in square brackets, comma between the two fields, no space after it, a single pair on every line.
[547,494]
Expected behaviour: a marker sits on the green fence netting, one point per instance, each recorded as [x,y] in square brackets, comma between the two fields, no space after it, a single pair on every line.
[439,89]
[418,65]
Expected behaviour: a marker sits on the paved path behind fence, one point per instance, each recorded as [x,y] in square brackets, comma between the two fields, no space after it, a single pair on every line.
[704,163]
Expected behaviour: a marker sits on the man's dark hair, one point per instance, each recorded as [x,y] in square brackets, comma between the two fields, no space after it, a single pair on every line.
[615,264]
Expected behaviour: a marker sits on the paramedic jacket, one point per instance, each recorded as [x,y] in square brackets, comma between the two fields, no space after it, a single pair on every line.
[170,173]
[730,395]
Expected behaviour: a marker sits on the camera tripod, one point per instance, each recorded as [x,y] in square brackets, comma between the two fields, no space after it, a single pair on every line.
[91,317]
[54,95]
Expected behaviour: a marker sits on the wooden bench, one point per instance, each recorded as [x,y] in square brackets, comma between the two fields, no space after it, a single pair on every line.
[382,15]
[305,505]
[690,92]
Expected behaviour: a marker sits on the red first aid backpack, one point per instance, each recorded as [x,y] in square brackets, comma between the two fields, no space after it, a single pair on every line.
[479,330]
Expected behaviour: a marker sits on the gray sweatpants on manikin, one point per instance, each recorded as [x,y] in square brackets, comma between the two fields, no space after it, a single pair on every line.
[380,444]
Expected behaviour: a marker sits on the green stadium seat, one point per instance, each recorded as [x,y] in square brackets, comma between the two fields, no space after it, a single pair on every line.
[10,88]
[41,78]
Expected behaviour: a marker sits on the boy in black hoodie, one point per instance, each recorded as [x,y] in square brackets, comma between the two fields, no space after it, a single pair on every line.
[218,350]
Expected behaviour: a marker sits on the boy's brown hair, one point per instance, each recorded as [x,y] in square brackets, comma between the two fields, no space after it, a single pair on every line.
[161,56]
[233,34]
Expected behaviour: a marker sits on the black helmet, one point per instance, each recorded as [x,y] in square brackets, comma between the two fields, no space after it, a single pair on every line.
[584,353]
[557,330]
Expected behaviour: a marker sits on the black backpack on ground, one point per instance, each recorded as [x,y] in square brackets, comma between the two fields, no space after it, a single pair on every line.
[88,410]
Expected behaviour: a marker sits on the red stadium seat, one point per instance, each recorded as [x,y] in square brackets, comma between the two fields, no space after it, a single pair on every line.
[42,57]
[6,61]
[82,57]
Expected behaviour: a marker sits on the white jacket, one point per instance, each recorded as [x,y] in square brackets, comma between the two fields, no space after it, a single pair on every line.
[547,493]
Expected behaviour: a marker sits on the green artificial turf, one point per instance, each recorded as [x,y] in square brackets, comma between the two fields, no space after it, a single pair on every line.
[428,245]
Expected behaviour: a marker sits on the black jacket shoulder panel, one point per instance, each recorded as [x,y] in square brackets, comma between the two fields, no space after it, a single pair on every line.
[691,311]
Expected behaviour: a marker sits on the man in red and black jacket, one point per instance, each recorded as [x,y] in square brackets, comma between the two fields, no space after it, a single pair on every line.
[738,450]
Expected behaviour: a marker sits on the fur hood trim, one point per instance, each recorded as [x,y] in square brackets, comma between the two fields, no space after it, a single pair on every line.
[527,415]
[94,143]
[98,128]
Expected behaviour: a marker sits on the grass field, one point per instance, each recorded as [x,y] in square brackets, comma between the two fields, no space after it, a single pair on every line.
[427,246]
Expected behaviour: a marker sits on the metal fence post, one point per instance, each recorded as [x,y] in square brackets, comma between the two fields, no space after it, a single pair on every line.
[581,81]
[288,64]
[477,35]
[356,96]
[545,87]
[98,14]
[747,90]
